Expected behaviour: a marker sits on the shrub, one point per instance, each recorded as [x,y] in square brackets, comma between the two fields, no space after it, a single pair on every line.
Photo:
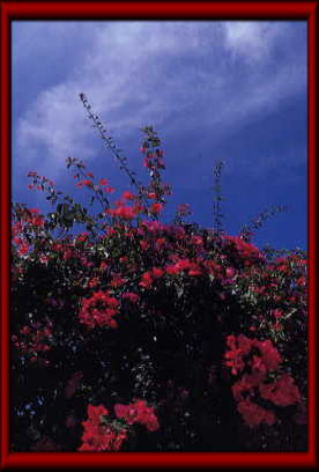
[134,335]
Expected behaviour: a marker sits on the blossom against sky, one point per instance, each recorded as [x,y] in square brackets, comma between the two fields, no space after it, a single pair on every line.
[214,90]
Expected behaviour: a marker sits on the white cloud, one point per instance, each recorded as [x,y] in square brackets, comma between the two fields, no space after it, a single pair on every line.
[250,40]
[176,74]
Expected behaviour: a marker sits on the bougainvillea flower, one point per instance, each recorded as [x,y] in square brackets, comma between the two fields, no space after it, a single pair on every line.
[254,415]
[138,412]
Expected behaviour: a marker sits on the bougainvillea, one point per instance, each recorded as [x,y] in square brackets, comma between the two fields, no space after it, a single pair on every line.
[137,412]
[187,339]
[100,434]
[255,383]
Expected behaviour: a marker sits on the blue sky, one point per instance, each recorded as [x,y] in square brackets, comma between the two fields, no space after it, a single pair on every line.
[214,90]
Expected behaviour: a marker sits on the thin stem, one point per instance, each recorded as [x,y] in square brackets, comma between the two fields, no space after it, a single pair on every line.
[109,143]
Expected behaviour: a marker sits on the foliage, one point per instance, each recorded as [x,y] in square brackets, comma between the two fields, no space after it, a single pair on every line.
[136,335]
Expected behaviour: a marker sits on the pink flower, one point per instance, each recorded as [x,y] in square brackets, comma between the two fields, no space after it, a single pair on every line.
[230,272]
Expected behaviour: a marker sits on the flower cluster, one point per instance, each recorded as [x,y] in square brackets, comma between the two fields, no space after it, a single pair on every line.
[99,433]
[39,182]
[34,340]
[99,310]
[258,358]
[138,412]
[28,222]
[248,252]
[149,277]
[103,434]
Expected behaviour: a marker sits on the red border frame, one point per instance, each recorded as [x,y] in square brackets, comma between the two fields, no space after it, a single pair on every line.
[159,10]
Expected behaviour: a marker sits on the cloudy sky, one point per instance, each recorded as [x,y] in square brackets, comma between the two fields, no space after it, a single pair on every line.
[214,90]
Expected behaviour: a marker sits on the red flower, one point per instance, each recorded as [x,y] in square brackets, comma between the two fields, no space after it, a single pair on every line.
[194,270]
[99,310]
[82,237]
[23,249]
[172,269]
[127,213]
[254,414]
[84,183]
[238,348]
[103,265]
[137,412]
[270,354]
[301,281]
[156,208]
[147,280]
[283,392]
[99,434]
[157,272]
[128,195]
[109,189]
[144,245]
[160,243]
[94,282]
[95,412]
[197,240]
[117,280]
[277,313]
[37,221]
